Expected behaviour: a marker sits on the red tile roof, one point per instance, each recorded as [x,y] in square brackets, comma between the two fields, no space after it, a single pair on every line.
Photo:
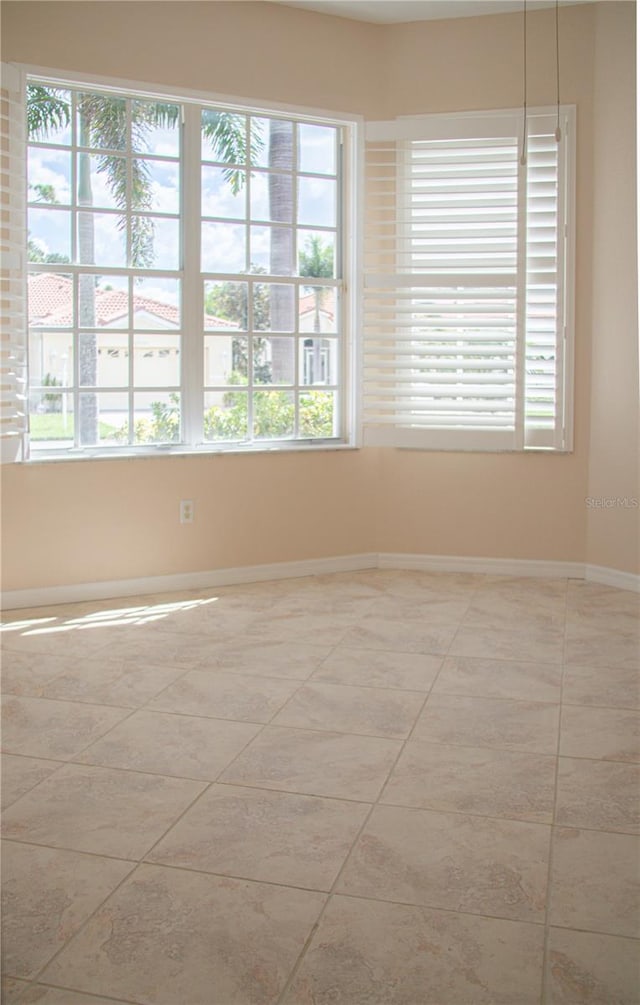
[51,305]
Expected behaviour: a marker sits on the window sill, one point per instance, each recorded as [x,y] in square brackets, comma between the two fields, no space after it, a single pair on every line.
[187,452]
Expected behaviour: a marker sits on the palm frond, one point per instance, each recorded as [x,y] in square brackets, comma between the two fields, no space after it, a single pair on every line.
[48,109]
[227,134]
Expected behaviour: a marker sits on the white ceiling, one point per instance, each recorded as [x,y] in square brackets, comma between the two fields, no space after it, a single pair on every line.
[396,11]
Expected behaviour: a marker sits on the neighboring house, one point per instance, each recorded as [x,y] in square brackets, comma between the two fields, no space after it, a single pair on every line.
[50,321]
[155,353]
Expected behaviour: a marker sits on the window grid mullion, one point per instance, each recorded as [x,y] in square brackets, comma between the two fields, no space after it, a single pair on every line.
[192,287]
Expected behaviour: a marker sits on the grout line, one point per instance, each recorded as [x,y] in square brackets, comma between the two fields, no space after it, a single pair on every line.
[549,891]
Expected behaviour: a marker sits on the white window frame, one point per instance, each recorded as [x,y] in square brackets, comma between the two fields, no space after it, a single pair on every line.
[348,252]
[390,230]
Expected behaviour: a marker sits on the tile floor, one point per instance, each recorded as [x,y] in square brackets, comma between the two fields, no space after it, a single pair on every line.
[390,788]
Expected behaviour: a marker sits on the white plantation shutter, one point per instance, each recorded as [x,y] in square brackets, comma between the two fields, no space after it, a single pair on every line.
[13,337]
[465,263]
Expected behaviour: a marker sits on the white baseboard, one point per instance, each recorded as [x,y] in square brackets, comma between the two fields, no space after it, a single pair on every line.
[486,566]
[49,596]
[612,577]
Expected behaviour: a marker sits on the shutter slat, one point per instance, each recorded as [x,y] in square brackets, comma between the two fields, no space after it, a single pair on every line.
[13,342]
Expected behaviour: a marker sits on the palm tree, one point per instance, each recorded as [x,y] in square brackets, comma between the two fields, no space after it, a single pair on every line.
[103,124]
[316,260]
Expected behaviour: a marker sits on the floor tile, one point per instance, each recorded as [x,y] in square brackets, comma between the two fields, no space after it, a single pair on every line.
[542,645]
[12,990]
[611,686]
[66,640]
[37,727]
[587,969]
[595,882]
[275,837]
[366,710]
[602,646]
[603,795]
[99,810]
[317,629]
[196,934]
[162,648]
[316,763]
[491,610]
[183,745]
[29,673]
[289,660]
[111,682]
[19,774]
[494,783]
[46,896]
[447,610]
[399,636]
[391,954]
[489,722]
[225,696]
[607,733]
[365,667]
[451,861]
[494,678]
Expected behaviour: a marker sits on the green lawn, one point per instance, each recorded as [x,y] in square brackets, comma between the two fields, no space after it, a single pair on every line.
[55,426]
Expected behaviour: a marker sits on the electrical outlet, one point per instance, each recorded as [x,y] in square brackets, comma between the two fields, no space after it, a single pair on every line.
[186,511]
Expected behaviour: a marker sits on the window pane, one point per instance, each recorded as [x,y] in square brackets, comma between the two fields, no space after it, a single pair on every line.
[48,114]
[158,184]
[273,307]
[225,305]
[155,242]
[49,236]
[102,121]
[223,247]
[316,253]
[271,143]
[50,298]
[156,417]
[51,419]
[49,174]
[318,361]
[273,414]
[111,350]
[223,193]
[224,136]
[156,360]
[225,415]
[155,127]
[273,360]
[101,181]
[156,303]
[50,358]
[103,301]
[317,202]
[317,414]
[317,309]
[102,417]
[101,239]
[272,250]
[317,148]
[226,360]
[272,197]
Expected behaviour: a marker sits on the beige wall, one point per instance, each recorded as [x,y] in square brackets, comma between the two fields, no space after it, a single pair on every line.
[613,529]
[101,520]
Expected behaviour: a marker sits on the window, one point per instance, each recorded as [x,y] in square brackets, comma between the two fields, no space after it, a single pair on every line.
[468,299]
[185,274]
